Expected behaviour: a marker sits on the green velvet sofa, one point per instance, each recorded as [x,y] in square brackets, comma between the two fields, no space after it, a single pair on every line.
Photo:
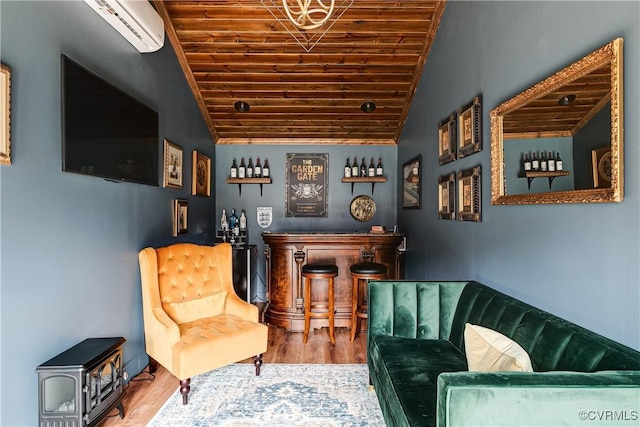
[418,367]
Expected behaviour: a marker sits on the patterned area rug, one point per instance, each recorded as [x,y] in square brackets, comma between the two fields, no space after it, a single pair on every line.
[283,395]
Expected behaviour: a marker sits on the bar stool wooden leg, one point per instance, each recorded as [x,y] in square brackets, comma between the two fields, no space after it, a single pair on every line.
[354,309]
[306,282]
[332,312]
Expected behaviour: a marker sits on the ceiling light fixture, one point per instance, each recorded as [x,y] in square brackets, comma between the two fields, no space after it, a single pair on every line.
[566,100]
[303,15]
[368,106]
[241,106]
[307,21]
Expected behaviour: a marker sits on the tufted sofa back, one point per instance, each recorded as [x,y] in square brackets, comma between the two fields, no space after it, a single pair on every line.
[553,344]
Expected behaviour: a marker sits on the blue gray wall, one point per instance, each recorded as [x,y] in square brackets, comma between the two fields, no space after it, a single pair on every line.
[69,243]
[338,218]
[580,262]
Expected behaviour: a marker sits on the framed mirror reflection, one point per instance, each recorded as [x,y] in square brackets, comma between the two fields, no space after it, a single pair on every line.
[543,139]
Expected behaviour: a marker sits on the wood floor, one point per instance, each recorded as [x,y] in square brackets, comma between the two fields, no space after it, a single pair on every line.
[143,398]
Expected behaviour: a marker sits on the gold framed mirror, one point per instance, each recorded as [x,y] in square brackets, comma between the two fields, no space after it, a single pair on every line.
[577,115]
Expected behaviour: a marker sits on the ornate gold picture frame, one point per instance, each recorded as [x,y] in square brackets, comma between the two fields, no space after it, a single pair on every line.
[180,217]
[173,165]
[447,140]
[5,120]
[201,175]
[469,197]
[446,196]
[469,128]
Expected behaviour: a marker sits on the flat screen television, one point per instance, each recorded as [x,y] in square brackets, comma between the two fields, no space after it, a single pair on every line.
[105,132]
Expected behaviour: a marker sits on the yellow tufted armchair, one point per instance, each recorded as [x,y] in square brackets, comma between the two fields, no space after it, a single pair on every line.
[193,320]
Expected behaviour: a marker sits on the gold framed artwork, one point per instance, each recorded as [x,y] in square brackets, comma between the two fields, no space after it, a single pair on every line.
[201,175]
[5,119]
[411,185]
[469,128]
[469,197]
[180,216]
[446,196]
[173,164]
[601,164]
[447,140]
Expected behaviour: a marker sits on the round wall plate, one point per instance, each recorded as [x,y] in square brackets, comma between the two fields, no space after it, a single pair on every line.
[363,208]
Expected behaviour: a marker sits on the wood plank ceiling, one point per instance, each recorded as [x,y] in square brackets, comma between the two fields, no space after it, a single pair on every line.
[236,50]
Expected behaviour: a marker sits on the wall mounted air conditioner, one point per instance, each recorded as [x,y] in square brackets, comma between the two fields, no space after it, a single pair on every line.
[136,20]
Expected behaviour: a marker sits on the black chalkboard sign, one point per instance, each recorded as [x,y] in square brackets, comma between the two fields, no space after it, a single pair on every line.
[307,190]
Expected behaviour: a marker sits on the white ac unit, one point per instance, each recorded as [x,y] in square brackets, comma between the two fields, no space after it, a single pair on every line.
[136,20]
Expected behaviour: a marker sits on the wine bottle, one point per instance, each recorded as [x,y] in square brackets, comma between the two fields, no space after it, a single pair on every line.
[234,169]
[243,221]
[535,164]
[558,162]
[551,163]
[543,162]
[372,169]
[257,170]
[527,162]
[250,169]
[233,219]
[363,168]
[354,167]
[265,169]
[347,169]
[379,171]
[224,224]
[242,169]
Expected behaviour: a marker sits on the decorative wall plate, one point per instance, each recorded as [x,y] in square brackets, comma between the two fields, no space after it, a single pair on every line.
[363,208]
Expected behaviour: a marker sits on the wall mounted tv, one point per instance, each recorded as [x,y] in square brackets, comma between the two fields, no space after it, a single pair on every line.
[105,132]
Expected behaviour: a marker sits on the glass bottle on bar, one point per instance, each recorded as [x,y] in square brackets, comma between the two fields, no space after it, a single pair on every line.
[379,171]
[535,164]
[257,170]
[265,169]
[551,162]
[558,162]
[234,169]
[354,168]
[363,167]
[250,169]
[243,221]
[372,169]
[242,169]
[543,162]
[347,169]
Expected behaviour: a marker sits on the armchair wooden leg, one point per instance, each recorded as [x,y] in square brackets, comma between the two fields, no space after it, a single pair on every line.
[258,362]
[184,389]
[153,365]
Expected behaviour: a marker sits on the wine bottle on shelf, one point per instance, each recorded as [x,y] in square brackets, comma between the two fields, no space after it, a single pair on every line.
[372,169]
[257,170]
[527,162]
[243,221]
[234,169]
[363,168]
[233,220]
[265,169]
[379,171]
[543,162]
[551,162]
[250,169]
[354,168]
[558,162]
[347,169]
[535,164]
[242,169]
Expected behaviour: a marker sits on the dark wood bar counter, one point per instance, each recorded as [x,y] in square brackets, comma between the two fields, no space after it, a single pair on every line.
[287,252]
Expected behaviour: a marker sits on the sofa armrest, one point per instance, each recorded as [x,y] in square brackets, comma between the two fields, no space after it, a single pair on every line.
[538,399]
[236,306]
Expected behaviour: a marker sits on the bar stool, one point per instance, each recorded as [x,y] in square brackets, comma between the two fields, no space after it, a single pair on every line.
[318,271]
[364,271]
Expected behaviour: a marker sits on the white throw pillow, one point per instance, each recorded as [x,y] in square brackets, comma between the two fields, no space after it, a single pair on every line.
[490,351]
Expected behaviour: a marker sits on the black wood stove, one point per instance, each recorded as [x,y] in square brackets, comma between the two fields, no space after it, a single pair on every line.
[80,386]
